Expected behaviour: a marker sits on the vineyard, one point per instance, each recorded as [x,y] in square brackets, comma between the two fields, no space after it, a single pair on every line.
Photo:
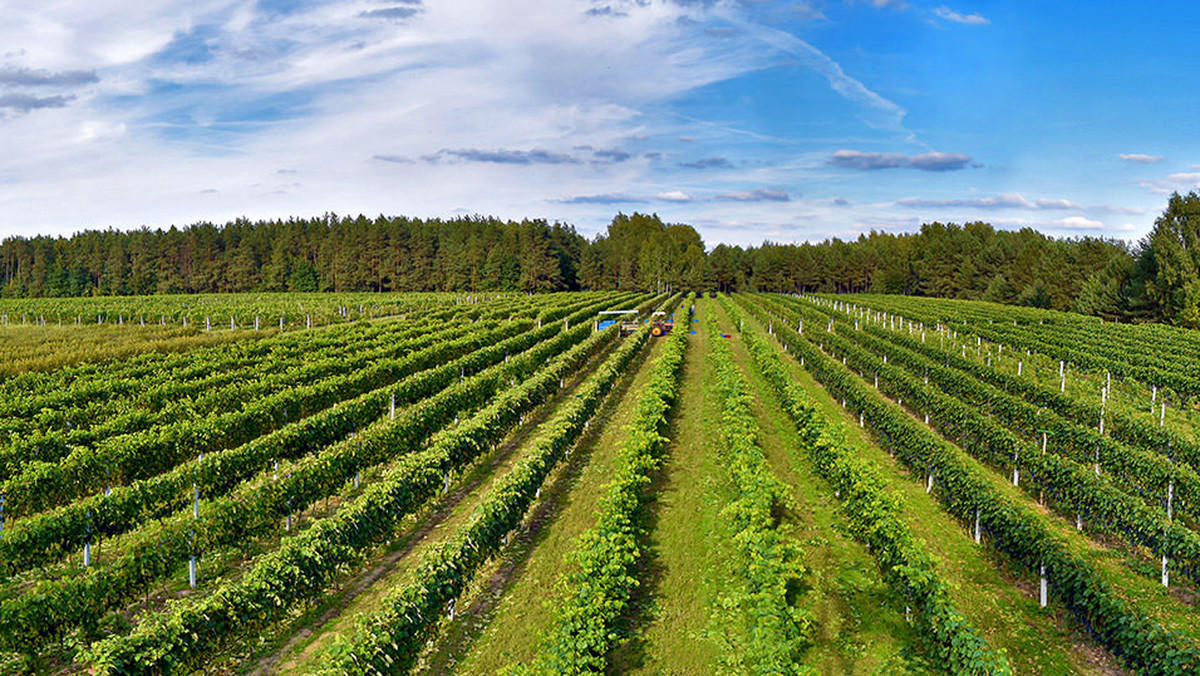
[507,483]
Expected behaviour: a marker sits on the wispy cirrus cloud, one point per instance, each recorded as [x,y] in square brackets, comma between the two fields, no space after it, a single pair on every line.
[876,111]
[1177,182]
[1012,201]
[1004,201]
[398,13]
[756,195]
[1139,158]
[935,161]
[394,159]
[605,199]
[948,14]
[677,196]
[536,156]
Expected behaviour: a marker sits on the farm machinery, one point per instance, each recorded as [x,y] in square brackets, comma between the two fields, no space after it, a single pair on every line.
[660,322]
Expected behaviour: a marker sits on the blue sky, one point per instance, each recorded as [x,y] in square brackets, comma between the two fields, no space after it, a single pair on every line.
[751,120]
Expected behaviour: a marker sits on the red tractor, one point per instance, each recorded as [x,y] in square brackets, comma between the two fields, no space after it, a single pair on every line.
[661,324]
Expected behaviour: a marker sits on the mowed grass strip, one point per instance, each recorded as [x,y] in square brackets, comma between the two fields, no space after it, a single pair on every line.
[859,628]
[525,610]
[1003,607]
[1130,570]
[683,518]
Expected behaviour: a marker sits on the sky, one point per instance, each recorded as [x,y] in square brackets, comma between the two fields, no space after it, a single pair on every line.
[751,120]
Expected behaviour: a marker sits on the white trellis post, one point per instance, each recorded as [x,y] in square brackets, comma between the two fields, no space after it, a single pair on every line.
[1043,586]
[87,545]
[1166,571]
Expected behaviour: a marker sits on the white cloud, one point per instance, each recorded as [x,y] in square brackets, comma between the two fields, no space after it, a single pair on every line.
[1077,223]
[1178,182]
[1139,158]
[1011,201]
[1003,201]
[674,196]
[219,95]
[948,14]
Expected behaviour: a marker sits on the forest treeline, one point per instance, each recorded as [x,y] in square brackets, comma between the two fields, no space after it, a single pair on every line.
[1157,279]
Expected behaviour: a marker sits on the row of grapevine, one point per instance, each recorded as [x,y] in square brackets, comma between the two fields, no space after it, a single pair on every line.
[40,485]
[197,380]
[167,379]
[1149,475]
[304,564]
[1150,339]
[606,556]
[875,518]
[257,507]
[169,425]
[1122,427]
[297,309]
[1086,343]
[1070,486]
[141,357]
[47,536]
[388,640]
[763,629]
[93,384]
[1011,528]
[124,458]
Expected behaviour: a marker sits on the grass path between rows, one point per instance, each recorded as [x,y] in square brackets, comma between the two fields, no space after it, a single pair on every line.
[1132,572]
[505,623]
[683,511]
[1003,607]
[299,644]
[860,630]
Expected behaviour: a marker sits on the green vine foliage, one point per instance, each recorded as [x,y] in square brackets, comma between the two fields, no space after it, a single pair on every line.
[410,480]
[1152,474]
[51,535]
[1152,353]
[1013,530]
[875,518]
[256,508]
[605,557]
[303,565]
[760,621]
[390,639]
[1070,484]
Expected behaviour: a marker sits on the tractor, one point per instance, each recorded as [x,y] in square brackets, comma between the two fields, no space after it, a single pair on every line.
[661,324]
